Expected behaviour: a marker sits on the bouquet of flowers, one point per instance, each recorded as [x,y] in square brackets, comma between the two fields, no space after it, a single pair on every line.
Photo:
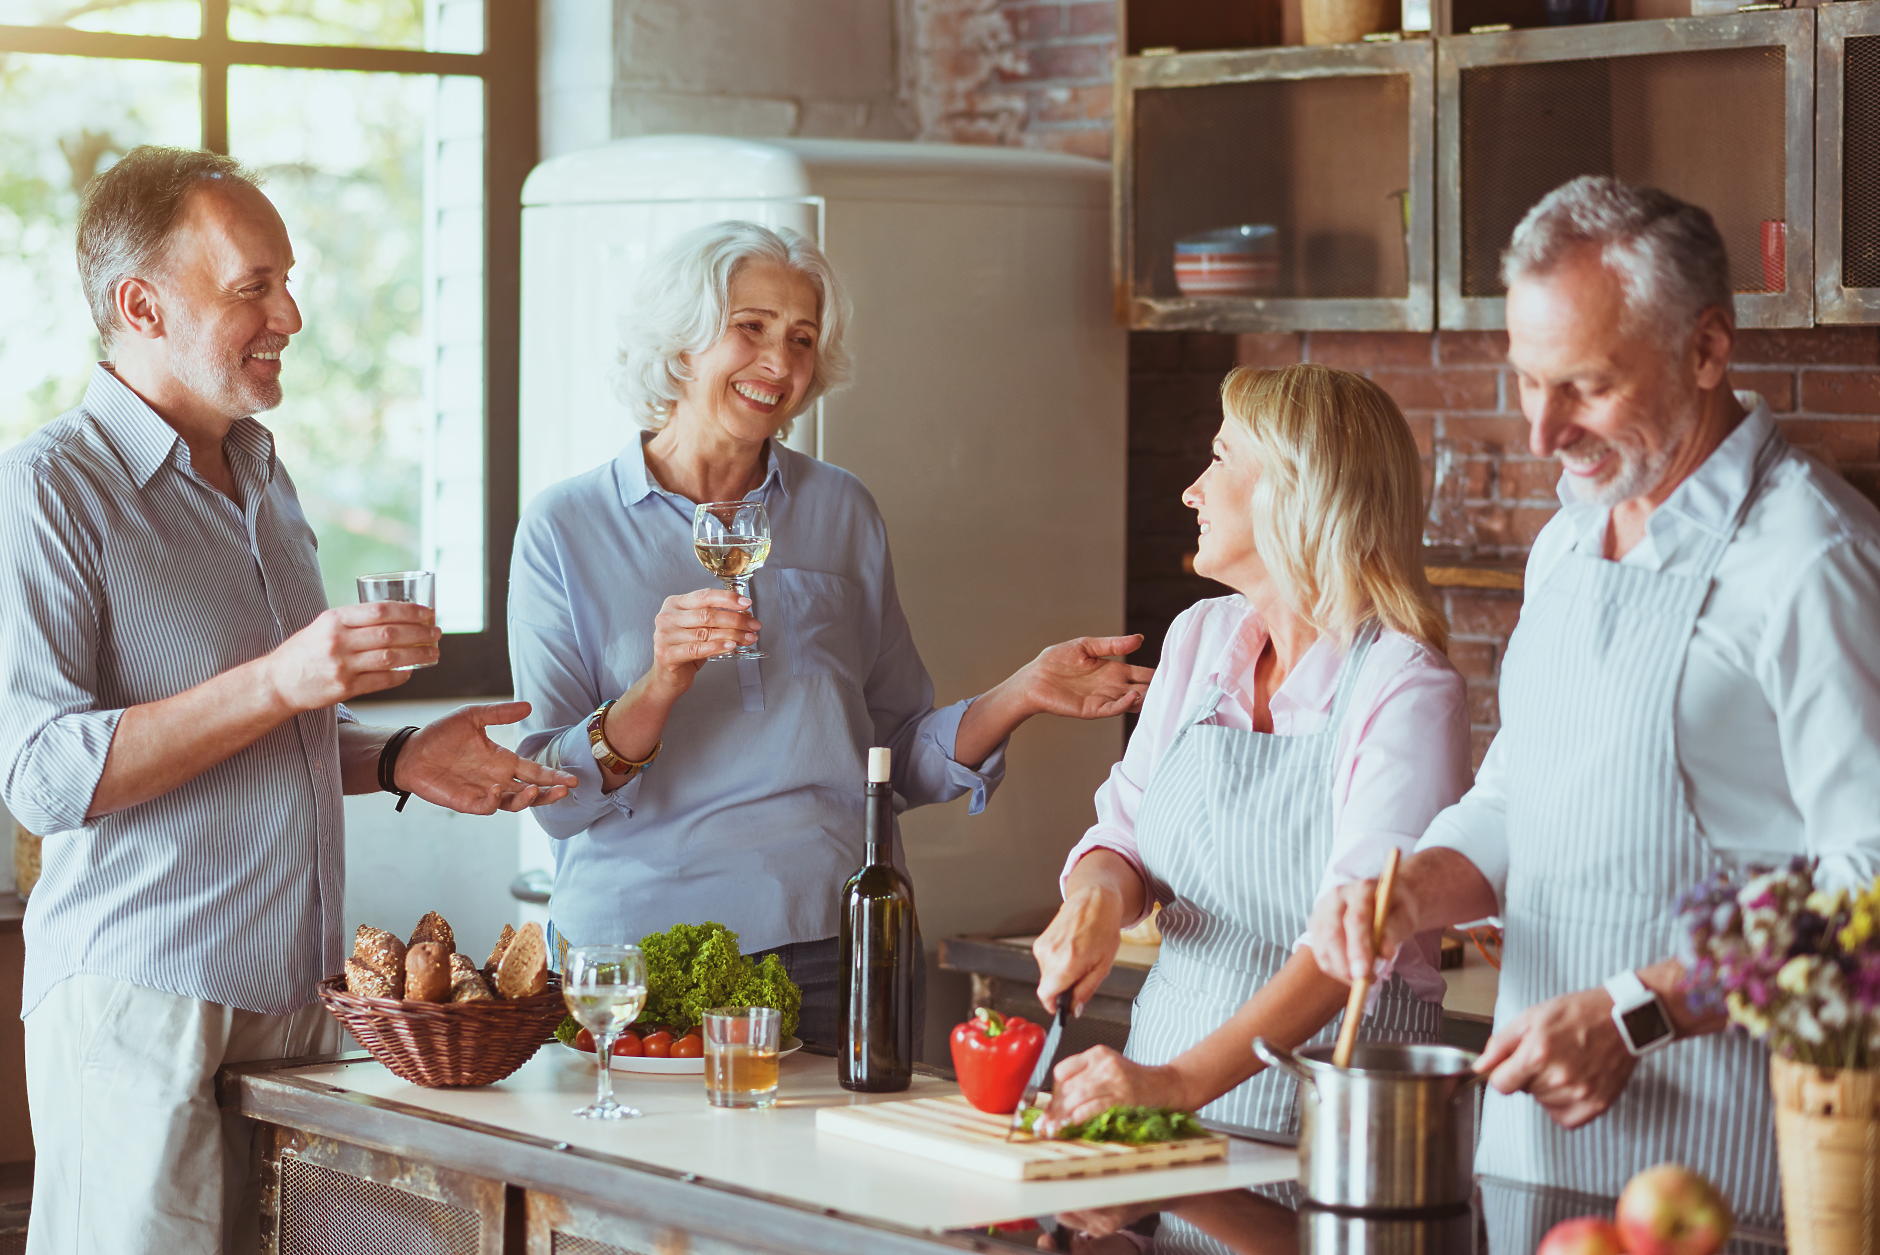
[1795,965]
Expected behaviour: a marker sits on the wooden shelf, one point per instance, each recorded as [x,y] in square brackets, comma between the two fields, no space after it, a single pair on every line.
[1476,575]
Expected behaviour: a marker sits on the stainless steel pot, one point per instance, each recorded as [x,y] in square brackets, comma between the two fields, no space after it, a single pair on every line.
[1396,1129]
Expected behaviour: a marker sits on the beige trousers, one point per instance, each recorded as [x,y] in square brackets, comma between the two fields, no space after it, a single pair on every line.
[133,1155]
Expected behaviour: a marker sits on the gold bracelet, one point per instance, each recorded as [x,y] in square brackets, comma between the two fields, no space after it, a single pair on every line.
[606,756]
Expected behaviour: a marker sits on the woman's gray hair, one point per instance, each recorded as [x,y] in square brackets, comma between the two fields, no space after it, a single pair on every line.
[127,213]
[682,305]
[1667,254]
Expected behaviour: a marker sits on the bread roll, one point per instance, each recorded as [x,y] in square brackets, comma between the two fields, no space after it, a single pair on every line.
[460,964]
[433,928]
[366,983]
[524,967]
[496,955]
[470,987]
[427,972]
[381,951]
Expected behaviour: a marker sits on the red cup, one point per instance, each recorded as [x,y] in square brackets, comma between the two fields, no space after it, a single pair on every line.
[1775,235]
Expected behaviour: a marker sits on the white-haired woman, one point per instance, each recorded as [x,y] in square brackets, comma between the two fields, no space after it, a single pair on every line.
[1294,733]
[732,792]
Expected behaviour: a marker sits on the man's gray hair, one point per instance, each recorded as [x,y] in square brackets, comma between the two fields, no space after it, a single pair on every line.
[682,305]
[1667,254]
[128,212]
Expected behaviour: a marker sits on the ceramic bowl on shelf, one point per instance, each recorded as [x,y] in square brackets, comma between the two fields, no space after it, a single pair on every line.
[1234,261]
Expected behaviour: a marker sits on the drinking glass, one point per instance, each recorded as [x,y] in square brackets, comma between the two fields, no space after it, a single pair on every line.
[418,587]
[741,1056]
[604,987]
[732,539]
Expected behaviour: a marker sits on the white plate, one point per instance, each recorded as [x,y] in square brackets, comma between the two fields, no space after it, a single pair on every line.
[669,1067]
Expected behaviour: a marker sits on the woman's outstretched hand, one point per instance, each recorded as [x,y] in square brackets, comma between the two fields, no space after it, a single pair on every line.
[1087,678]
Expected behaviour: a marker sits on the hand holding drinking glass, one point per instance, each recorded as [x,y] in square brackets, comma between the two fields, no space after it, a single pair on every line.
[732,540]
[604,987]
[417,587]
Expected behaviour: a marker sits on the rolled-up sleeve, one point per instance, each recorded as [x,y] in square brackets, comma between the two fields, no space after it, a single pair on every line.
[53,738]
[545,656]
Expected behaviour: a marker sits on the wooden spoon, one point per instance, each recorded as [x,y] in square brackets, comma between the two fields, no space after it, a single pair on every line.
[1361,987]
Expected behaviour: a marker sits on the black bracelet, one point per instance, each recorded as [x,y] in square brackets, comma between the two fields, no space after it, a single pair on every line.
[388,764]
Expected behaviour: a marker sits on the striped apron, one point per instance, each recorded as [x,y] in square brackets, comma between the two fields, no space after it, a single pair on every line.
[1601,844]
[1235,831]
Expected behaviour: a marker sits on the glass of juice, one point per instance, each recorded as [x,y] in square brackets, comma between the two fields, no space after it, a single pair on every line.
[741,1056]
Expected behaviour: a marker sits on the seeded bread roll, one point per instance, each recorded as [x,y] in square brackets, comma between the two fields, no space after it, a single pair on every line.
[363,982]
[470,987]
[460,964]
[433,928]
[381,951]
[524,967]
[427,972]
[496,955]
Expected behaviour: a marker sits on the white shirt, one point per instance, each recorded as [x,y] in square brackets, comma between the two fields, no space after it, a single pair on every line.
[1402,752]
[1778,710]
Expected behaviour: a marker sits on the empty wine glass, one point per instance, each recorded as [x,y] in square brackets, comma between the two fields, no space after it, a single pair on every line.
[732,539]
[604,987]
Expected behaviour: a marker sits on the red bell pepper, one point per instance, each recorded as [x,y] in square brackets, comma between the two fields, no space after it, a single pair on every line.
[993,1056]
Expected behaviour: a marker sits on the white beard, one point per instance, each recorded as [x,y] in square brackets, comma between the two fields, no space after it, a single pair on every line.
[212,376]
[1640,470]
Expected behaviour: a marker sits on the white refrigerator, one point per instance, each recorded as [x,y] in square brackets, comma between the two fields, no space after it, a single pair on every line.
[987,416]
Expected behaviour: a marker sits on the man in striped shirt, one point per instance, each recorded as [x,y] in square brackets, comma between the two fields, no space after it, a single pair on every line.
[173,724]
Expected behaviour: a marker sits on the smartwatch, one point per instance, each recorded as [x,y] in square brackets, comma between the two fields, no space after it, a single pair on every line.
[1644,1024]
[604,753]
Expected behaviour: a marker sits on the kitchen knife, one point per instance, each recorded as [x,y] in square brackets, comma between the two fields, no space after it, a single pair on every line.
[1047,1059]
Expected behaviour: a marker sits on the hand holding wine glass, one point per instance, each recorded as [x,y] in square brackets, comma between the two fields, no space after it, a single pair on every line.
[732,541]
[605,987]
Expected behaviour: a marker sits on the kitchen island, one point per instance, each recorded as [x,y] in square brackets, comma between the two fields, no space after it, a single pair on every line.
[352,1160]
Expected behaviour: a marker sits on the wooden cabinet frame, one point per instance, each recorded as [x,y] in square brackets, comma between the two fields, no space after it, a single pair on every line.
[1793,30]
[1415,311]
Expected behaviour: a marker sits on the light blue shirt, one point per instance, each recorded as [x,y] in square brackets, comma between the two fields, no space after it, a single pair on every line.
[132,579]
[752,814]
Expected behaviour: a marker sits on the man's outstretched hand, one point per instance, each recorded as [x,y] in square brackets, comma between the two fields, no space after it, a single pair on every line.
[452,762]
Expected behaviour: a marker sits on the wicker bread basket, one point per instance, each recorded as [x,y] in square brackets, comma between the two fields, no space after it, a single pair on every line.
[444,1045]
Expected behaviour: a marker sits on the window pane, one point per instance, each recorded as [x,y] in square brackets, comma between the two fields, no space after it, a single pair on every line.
[438,25]
[67,119]
[380,180]
[123,17]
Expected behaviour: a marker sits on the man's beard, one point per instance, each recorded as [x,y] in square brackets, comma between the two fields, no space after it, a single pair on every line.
[1640,469]
[215,377]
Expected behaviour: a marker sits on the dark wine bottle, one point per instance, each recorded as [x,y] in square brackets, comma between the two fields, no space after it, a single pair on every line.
[876,1001]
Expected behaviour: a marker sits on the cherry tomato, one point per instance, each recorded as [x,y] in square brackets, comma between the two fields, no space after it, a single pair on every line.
[646,1028]
[697,1030]
[628,1044]
[657,1045]
[689,1047]
[584,1040]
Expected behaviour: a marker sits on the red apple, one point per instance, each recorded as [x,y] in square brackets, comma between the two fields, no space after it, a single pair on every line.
[1670,1210]
[1588,1235]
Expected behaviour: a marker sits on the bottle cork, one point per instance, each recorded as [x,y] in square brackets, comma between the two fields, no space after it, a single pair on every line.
[878,765]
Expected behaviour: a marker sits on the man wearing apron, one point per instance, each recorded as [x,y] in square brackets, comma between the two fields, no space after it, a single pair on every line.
[1695,683]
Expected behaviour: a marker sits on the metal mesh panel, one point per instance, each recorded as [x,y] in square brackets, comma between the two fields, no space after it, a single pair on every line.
[1860,186]
[1706,126]
[1326,160]
[569,1244]
[330,1213]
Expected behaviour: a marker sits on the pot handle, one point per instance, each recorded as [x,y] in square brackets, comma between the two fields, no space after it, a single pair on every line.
[1276,1057]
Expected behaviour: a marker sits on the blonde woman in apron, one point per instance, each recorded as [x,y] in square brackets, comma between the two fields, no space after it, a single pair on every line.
[1294,733]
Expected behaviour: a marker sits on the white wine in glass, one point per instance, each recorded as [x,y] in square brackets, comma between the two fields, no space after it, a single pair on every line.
[604,987]
[732,540]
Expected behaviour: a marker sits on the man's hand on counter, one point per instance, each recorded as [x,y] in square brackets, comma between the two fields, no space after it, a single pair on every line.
[452,762]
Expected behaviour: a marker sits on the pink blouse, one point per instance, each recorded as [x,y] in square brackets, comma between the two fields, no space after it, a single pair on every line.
[1402,754]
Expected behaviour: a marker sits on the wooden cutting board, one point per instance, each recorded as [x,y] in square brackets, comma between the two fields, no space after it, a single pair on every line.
[952,1131]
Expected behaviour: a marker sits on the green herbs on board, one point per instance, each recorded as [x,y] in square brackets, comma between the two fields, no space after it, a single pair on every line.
[1136,1126]
[691,968]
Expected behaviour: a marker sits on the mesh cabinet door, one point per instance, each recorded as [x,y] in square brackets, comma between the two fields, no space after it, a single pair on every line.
[1847,164]
[326,1197]
[1717,111]
[1320,157]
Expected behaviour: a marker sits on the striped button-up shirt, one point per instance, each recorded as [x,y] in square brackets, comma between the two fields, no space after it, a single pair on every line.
[137,579]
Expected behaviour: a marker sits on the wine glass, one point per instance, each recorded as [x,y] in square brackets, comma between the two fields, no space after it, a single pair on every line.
[732,539]
[605,987]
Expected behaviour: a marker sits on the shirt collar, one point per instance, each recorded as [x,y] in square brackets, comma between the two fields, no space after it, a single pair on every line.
[636,484]
[1709,498]
[1309,686]
[145,442]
